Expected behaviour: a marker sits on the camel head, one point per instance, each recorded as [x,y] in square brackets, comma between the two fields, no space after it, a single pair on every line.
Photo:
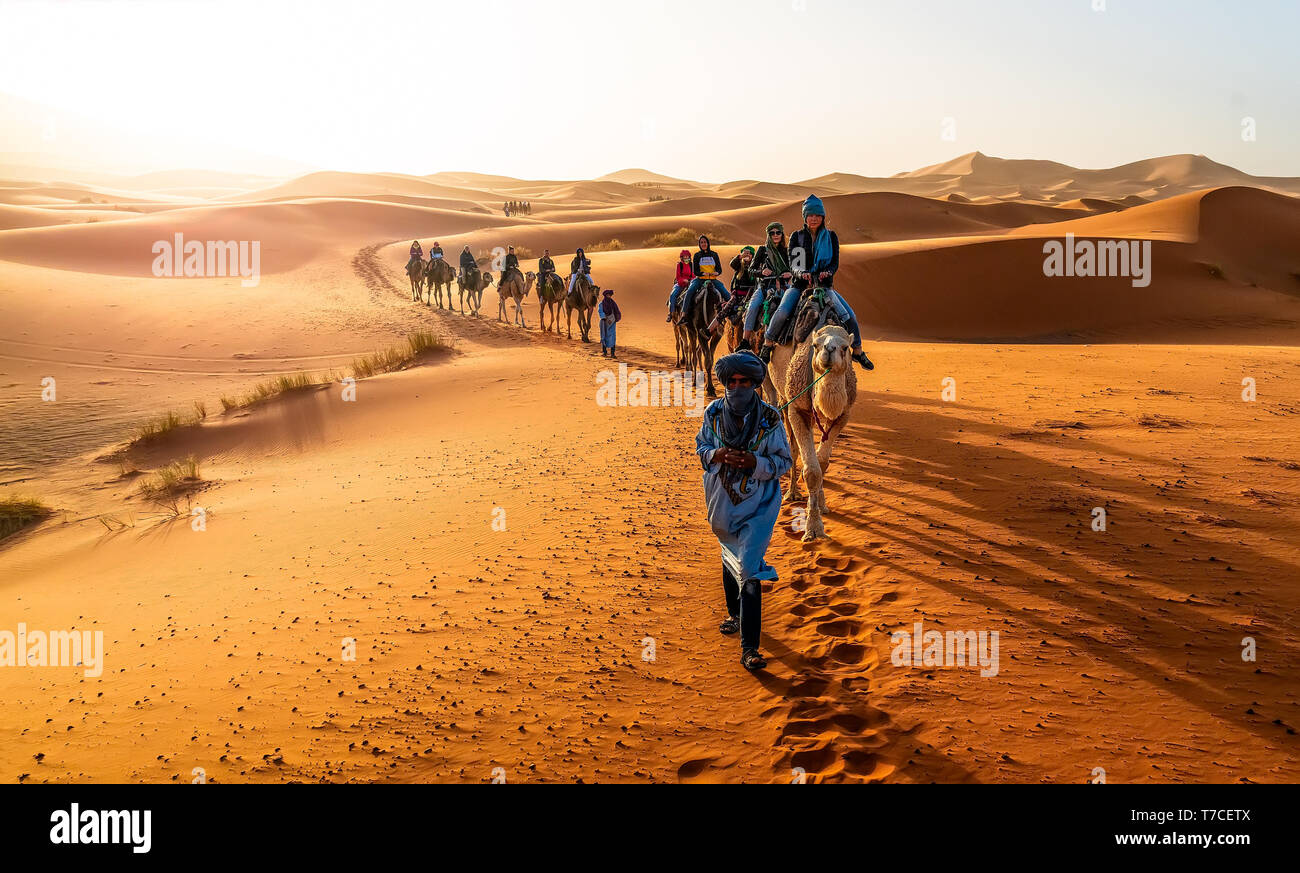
[529,278]
[837,386]
[831,347]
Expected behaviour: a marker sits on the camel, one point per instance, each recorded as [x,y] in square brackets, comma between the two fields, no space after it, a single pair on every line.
[513,286]
[581,299]
[733,327]
[682,337]
[823,361]
[415,272]
[475,284]
[437,274]
[703,342]
[550,295]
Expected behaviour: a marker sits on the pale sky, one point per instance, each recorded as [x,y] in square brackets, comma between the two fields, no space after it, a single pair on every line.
[712,90]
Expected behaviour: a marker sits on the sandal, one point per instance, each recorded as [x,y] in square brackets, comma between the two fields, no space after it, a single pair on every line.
[730,626]
[751,660]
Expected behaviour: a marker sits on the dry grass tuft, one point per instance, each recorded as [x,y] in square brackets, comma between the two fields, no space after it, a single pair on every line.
[17,513]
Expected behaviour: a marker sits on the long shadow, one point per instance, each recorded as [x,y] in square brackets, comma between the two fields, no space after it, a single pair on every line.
[920,442]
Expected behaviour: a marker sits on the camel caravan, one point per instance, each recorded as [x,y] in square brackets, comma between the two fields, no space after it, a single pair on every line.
[781,307]
[575,293]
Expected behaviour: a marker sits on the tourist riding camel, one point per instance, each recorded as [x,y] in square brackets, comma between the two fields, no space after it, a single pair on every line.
[511,267]
[579,266]
[742,283]
[706,267]
[814,259]
[417,254]
[743,448]
[467,263]
[771,269]
[545,268]
[685,273]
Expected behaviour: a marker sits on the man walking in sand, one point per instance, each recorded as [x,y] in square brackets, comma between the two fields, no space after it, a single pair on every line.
[743,448]
[610,316]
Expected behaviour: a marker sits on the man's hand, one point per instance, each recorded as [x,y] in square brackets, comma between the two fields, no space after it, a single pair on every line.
[824,276]
[767,271]
[736,458]
[807,277]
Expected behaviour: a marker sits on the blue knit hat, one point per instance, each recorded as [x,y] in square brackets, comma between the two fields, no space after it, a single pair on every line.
[813,206]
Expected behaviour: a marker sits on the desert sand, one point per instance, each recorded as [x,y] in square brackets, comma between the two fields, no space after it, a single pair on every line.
[504,551]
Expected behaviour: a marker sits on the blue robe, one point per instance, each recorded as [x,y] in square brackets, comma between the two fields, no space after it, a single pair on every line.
[744,529]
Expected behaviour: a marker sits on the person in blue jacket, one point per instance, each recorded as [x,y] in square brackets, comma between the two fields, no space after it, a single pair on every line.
[743,449]
[814,258]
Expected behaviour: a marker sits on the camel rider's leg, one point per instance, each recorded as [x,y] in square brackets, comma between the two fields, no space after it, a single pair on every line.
[672,300]
[782,314]
[724,309]
[689,299]
[572,279]
[850,320]
[754,312]
[731,592]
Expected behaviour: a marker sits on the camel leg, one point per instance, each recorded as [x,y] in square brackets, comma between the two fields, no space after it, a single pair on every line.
[568,317]
[824,453]
[519,314]
[812,477]
[792,495]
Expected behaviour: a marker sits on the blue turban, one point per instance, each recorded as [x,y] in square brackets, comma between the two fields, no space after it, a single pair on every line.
[744,362]
[813,206]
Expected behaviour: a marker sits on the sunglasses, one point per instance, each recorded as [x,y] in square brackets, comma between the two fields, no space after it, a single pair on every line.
[776,233]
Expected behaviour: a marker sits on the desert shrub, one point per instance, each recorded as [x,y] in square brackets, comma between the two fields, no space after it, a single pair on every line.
[685,237]
[17,513]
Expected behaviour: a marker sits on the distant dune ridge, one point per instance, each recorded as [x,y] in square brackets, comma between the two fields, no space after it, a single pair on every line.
[949,251]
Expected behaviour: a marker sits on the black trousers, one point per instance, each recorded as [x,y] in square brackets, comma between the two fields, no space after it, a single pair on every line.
[744,602]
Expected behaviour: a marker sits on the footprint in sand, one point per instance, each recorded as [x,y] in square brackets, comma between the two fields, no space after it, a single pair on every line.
[849,653]
[840,628]
[693,768]
[816,760]
[808,688]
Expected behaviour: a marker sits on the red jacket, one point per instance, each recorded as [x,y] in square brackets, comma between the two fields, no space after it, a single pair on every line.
[685,272]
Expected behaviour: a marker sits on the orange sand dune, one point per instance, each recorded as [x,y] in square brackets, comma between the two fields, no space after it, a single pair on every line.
[522,646]
[30,194]
[12,217]
[291,233]
[332,184]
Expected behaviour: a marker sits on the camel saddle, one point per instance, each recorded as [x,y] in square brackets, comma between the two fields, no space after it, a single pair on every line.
[812,312]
